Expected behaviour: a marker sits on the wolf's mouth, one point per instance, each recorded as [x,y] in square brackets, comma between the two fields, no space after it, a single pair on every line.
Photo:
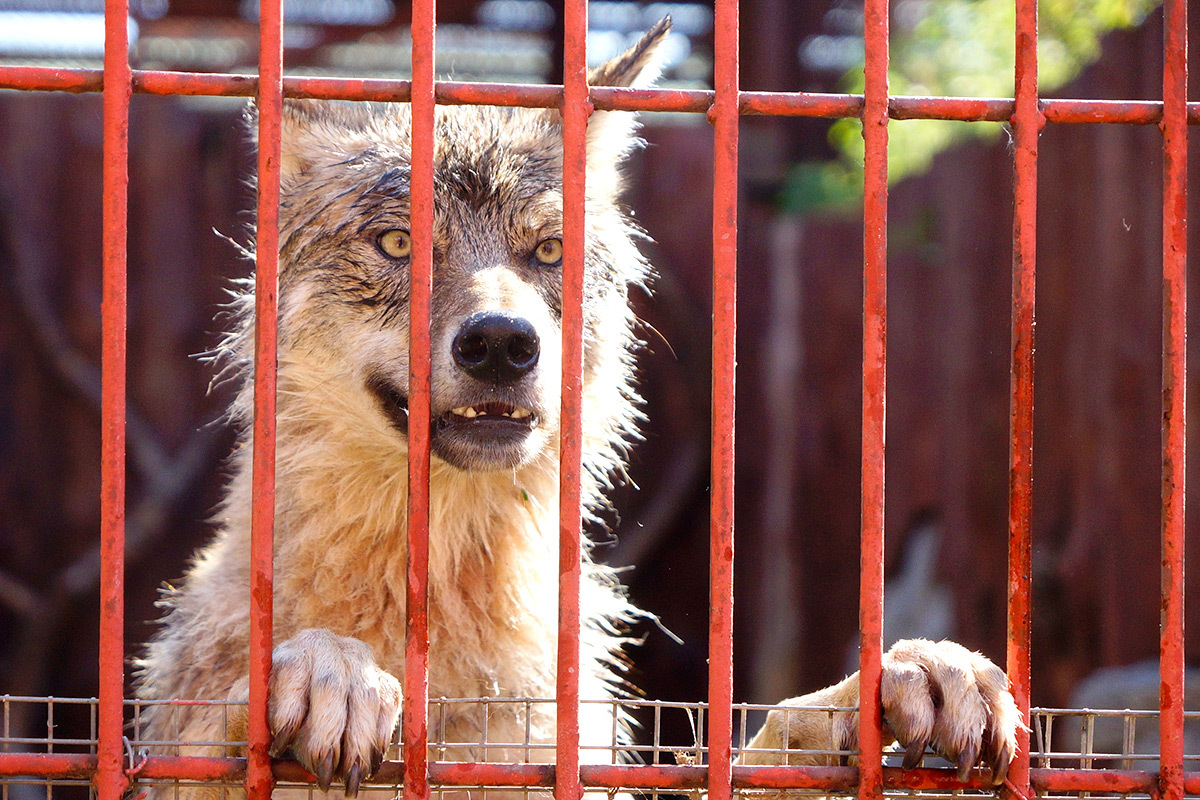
[477,434]
[392,401]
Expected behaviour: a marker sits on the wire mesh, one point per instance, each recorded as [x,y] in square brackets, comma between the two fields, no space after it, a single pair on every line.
[502,732]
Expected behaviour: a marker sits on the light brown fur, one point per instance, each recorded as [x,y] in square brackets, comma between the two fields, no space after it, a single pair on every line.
[342,459]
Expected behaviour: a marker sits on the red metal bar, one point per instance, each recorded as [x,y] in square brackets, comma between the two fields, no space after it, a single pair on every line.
[724,116]
[843,779]
[110,777]
[485,774]
[51,79]
[259,782]
[963,109]
[604,98]
[1087,780]
[416,654]
[830,779]
[631,776]
[49,765]
[1174,388]
[1108,111]
[1026,124]
[576,108]
[874,396]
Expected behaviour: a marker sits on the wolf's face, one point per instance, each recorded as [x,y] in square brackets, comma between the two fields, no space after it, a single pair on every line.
[346,244]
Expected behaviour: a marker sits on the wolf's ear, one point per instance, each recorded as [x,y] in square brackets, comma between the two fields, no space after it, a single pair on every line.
[312,130]
[612,134]
[637,66]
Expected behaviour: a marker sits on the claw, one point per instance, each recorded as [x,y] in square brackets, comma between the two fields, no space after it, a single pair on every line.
[999,773]
[966,762]
[325,772]
[353,778]
[1000,765]
[282,740]
[913,754]
[377,756]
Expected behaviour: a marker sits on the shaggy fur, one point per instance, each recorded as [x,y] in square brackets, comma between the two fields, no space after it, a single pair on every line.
[342,469]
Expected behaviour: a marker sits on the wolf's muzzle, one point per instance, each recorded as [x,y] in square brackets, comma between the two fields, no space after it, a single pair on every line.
[496,346]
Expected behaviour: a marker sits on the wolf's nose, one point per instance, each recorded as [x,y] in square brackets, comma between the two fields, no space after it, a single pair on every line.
[496,346]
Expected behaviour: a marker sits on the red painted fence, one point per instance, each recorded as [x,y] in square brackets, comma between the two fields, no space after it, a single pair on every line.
[110,768]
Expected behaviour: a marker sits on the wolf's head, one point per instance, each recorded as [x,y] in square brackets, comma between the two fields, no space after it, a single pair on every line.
[497,287]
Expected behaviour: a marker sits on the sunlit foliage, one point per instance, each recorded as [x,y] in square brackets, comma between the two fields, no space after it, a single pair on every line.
[962,48]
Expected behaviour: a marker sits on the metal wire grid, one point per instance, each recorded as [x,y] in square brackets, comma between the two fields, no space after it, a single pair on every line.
[1063,739]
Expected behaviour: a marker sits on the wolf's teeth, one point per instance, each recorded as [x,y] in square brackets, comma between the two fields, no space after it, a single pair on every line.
[470,412]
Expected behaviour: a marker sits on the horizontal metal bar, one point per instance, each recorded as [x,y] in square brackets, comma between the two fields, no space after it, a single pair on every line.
[605,98]
[631,776]
[1098,780]
[195,768]
[48,765]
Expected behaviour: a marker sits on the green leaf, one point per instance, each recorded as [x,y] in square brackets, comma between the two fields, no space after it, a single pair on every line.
[962,48]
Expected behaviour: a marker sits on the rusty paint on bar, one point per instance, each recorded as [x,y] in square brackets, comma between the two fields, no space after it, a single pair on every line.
[1174,392]
[631,776]
[842,780]
[644,776]
[55,766]
[605,98]
[199,768]
[1105,111]
[1027,123]
[1093,780]
[490,774]
[51,79]
[874,396]
[576,108]
[937,779]
[269,102]
[800,104]
[724,116]
[416,654]
[962,109]
[110,778]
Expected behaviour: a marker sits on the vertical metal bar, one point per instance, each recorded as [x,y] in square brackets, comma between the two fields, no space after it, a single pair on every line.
[110,776]
[1026,123]
[874,395]
[575,110]
[259,781]
[724,116]
[416,653]
[1174,387]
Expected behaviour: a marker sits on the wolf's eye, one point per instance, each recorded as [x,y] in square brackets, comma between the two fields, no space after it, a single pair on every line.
[549,251]
[395,243]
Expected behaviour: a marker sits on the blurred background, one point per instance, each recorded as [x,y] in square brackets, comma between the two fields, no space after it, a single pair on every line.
[1096,517]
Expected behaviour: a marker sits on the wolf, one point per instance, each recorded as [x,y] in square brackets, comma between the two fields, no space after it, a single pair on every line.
[341,463]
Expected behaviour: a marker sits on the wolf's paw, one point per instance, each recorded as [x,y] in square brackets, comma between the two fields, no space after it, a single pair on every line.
[331,707]
[944,696]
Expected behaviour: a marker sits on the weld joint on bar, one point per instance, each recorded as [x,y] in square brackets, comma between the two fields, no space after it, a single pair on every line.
[586,104]
[720,101]
[1024,115]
